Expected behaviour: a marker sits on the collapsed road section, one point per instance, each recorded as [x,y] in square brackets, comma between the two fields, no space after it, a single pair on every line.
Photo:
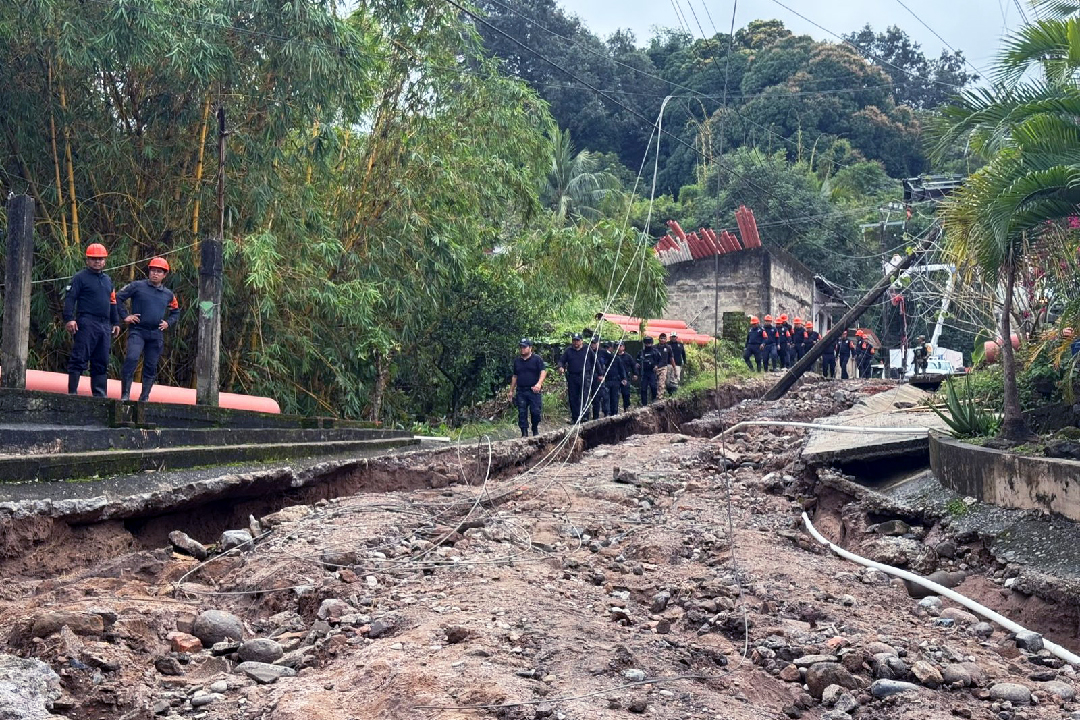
[637,568]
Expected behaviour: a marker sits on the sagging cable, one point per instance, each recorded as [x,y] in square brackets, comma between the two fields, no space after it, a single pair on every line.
[832,428]
[985,612]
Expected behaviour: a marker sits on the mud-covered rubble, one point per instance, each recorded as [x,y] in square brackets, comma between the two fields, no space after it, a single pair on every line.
[599,586]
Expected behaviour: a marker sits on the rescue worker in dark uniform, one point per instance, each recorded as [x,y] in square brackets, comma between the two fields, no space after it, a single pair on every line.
[785,347]
[525,386]
[828,359]
[863,355]
[811,339]
[666,367]
[844,349]
[647,363]
[798,340]
[922,356]
[90,315]
[678,354]
[154,310]
[614,375]
[626,361]
[753,344]
[572,364]
[594,371]
[770,345]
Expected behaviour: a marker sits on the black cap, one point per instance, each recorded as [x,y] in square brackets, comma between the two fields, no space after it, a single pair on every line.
[525,342]
[663,336]
[594,340]
[606,343]
[648,341]
[577,336]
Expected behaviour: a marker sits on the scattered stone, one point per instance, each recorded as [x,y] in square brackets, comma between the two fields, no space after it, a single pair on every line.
[808,660]
[254,526]
[824,674]
[456,634]
[880,648]
[884,688]
[333,610]
[941,577]
[961,617]
[790,673]
[965,674]
[225,647]
[926,674]
[946,549]
[1013,692]
[894,527]
[186,544]
[1060,690]
[220,687]
[831,694]
[1063,449]
[660,602]
[168,665]
[381,627]
[286,515]
[184,643]
[214,626]
[262,650]
[263,672]
[982,629]
[28,689]
[231,539]
[638,706]
[634,675]
[80,623]
[873,576]
[544,710]
[931,604]
[200,698]
[846,703]
[1030,641]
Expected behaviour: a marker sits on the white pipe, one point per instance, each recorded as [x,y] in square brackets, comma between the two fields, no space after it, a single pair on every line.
[956,597]
[433,438]
[832,428]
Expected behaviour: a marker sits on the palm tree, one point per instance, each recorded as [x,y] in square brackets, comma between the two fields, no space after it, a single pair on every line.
[575,186]
[1029,131]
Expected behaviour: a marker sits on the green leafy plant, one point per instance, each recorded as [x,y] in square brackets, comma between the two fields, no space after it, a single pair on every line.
[966,418]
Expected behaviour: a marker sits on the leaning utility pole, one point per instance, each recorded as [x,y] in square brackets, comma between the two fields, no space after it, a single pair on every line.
[207,363]
[15,344]
[779,389]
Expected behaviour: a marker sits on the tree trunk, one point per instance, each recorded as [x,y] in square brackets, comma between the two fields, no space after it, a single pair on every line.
[382,380]
[1013,426]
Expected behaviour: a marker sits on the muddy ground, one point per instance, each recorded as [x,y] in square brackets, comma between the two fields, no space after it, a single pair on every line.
[594,580]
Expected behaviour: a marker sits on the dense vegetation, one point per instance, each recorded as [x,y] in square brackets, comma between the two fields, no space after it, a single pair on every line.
[411,188]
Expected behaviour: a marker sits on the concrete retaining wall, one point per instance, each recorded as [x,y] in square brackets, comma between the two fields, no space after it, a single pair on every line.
[1007,479]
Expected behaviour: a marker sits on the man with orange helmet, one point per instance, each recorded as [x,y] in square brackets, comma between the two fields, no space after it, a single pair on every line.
[90,315]
[785,347]
[864,353]
[753,344]
[154,309]
[770,345]
[844,350]
[798,340]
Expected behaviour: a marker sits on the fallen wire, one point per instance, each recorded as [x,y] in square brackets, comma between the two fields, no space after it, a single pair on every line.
[566,698]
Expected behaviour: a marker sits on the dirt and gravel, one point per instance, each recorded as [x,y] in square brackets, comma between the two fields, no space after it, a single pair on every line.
[582,581]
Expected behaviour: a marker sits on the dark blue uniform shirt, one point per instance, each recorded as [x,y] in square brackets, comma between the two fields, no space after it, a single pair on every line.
[91,293]
[151,304]
[573,361]
[527,371]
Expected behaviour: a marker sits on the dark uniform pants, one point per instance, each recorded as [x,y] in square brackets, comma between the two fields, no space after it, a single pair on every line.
[92,341]
[843,366]
[750,352]
[528,403]
[770,357]
[649,386]
[828,366]
[599,399]
[575,393]
[611,392]
[625,390]
[148,344]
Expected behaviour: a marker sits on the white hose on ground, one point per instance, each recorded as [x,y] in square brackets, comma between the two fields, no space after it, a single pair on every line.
[941,590]
[832,428]
[433,438]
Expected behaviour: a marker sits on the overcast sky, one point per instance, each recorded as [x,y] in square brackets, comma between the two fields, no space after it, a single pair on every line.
[973,26]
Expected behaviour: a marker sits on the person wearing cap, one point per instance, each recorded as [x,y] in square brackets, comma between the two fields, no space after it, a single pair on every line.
[594,371]
[810,339]
[678,355]
[753,344]
[770,345]
[785,347]
[525,386]
[90,315]
[627,371]
[648,360]
[572,364]
[798,340]
[664,369]
[864,354]
[614,374]
[154,309]
[844,350]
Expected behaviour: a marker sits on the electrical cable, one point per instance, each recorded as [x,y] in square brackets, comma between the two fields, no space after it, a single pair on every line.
[935,33]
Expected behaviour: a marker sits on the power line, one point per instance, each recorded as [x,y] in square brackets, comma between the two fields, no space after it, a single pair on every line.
[935,32]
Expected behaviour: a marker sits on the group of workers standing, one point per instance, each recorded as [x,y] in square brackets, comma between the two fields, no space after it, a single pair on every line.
[597,374]
[92,314]
[775,346]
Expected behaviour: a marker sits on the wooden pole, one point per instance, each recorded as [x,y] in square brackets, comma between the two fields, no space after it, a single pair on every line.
[207,363]
[780,388]
[19,265]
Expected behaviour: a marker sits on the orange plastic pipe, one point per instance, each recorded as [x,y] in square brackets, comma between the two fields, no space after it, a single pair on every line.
[57,383]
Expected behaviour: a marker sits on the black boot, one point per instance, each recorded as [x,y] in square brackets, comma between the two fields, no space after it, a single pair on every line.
[99,385]
[125,389]
[73,383]
[146,386]
[535,431]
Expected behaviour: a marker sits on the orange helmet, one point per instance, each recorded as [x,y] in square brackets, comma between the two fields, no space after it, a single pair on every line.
[754,320]
[783,318]
[809,326]
[797,321]
[858,333]
[768,318]
[160,263]
[1068,332]
[96,250]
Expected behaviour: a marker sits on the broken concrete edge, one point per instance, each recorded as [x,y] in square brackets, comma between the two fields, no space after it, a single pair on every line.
[1007,479]
[886,450]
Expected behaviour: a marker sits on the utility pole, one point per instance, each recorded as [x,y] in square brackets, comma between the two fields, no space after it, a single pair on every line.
[780,388]
[18,269]
[207,363]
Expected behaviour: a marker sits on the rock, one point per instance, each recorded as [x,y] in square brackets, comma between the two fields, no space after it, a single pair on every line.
[926,674]
[873,576]
[931,604]
[831,694]
[790,673]
[225,647]
[946,549]
[634,675]
[808,660]
[1030,641]
[28,689]
[660,602]
[880,648]
[333,610]
[220,687]
[1015,693]
[894,527]
[381,627]
[982,629]
[214,626]
[168,665]
[1064,449]
[186,544]
[231,539]
[262,650]
[184,643]
[290,514]
[254,526]
[885,688]
[961,617]
[941,577]
[263,672]
[544,710]
[966,674]
[824,674]
[1060,690]
[855,660]
[200,698]
[846,703]
[456,634]
[638,706]
[80,623]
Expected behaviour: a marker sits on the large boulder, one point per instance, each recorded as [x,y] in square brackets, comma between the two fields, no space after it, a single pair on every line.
[28,688]
[823,674]
[214,626]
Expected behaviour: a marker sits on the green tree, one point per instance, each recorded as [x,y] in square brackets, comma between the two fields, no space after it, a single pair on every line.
[575,185]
